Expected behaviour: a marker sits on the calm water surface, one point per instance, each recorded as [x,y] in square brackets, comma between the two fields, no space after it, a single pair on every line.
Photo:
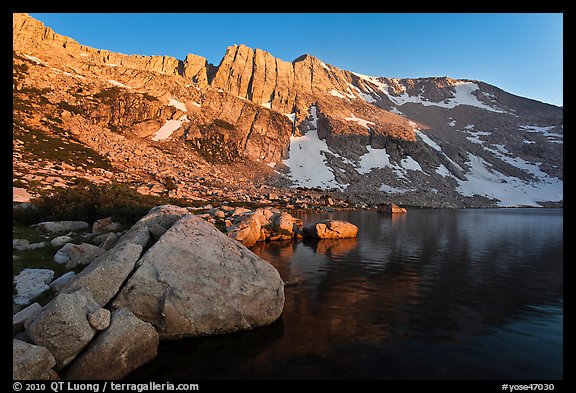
[433,294]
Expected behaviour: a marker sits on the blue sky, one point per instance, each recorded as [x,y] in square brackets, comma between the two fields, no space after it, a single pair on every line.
[520,53]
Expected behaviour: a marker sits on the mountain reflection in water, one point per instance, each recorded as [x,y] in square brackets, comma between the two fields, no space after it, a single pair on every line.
[432,294]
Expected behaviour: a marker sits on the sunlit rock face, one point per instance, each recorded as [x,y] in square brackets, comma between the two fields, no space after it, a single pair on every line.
[257,119]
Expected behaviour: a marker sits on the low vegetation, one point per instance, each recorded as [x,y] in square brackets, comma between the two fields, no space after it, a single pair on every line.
[89,202]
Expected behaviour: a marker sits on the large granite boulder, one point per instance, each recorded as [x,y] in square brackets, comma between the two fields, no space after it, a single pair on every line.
[125,345]
[330,229]
[196,281]
[63,325]
[31,362]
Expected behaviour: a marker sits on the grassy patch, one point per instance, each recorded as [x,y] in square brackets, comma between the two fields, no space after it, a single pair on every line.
[45,146]
[89,202]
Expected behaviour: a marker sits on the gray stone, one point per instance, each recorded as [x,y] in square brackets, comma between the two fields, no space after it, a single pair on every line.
[61,281]
[82,254]
[31,362]
[19,243]
[60,241]
[99,319]
[99,239]
[25,245]
[62,226]
[104,277]
[31,283]
[62,255]
[196,281]
[25,315]
[110,241]
[127,344]
[164,215]
[63,325]
[156,230]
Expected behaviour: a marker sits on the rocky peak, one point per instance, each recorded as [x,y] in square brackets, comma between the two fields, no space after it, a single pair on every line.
[465,141]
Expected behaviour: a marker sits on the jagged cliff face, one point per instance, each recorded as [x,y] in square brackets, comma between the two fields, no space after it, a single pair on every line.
[428,141]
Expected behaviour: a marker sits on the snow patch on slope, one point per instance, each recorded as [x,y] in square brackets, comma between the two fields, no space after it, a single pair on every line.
[482,179]
[463,95]
[116,83]
[168,128]
[307,161]
[375,158]
[177,104]
[362,122]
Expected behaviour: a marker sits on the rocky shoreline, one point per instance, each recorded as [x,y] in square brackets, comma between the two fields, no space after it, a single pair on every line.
[173,274]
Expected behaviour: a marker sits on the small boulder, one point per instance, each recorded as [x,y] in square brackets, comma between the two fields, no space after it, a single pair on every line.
[63,325]
[246,232]
[25,315]
[61,226]
[61,281]
[60,241]
[390,208]
[83,254]
[31,283]
[25,245]
[105,225]
[31,362]
[128,343]
[99,319]
[330,229]
[20,195]
[61,255]
[106,274]
[110,241]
